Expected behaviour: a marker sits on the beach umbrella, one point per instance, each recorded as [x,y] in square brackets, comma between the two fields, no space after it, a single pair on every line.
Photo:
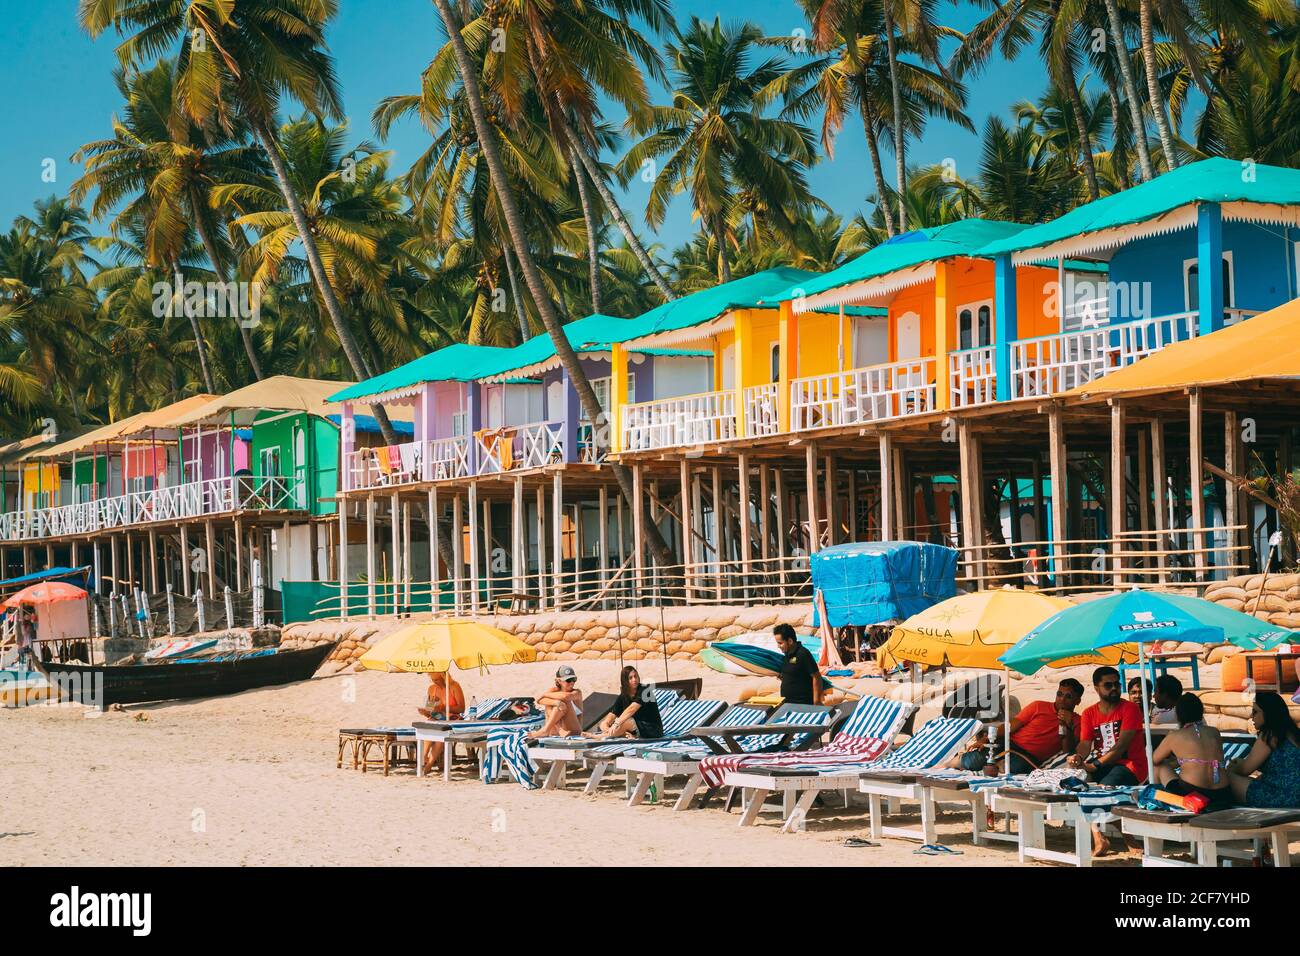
[47,592]
[755,653]
[970,630]
[1117,628]
[433,646]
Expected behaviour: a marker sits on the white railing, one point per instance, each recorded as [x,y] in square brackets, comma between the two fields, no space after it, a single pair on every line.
[1234,315]
[540,443]
[593,440]
[688,420]
[761,414]
[177,502]
[1056,363]
[889,390]
[385,465]
[446,458]
[971,377]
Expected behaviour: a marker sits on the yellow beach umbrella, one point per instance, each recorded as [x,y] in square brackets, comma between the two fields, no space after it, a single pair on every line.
[433,646]
[970,630]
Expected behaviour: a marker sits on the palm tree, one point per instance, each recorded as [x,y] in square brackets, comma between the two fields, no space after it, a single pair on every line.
[1119,43]
[715,142]
[532,277]
[235,62]
[166,169]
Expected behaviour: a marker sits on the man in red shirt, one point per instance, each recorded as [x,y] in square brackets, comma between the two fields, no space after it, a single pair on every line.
[1111,746]
[1039,732]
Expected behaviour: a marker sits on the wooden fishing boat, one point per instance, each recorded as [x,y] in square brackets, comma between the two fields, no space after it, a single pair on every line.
[99,685]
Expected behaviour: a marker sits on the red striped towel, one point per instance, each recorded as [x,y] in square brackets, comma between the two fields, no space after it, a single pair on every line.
[843,749]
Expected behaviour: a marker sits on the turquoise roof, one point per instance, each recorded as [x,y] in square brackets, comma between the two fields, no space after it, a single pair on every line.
[1207,181]
[708,304]
[455,363]
[594,333]
[964,238]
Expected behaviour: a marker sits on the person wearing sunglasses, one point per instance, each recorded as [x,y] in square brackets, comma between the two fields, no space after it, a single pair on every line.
[1111,746]
[562,705]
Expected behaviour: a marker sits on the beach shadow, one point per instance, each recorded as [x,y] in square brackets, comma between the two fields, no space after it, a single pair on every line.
[18,833]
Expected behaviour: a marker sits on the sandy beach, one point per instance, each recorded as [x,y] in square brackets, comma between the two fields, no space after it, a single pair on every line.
[251,780]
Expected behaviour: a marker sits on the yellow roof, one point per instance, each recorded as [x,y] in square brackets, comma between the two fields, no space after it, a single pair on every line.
[283,393]
[1266,346]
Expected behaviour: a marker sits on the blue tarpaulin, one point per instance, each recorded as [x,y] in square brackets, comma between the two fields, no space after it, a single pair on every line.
[78,576]
[877,581]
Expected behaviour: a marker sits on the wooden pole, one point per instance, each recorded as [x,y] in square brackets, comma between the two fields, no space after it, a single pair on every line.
[541,546]
[602,537]
[781,537]
[1056,452]
[212,558]
[1116,497]
[1160,499]
[1232,464]
[395,514]
[902,485]
[888,529]
[1196,478]
[852,518]
[810,466]
[458,551]
[488,571]
[130,562]
[557,535]
[370,556]
[718,518]
[1143,463]
[406,556]
[112,545]
[519,556]
[471,509]
[972,511]
[343,506]
[764,513]
[239,554]
[185,561]
[742,464]
[638,527]
[832,512]
[688,549]
[435,590]
[153,560]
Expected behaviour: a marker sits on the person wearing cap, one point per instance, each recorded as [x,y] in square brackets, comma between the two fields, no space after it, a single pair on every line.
[562,705]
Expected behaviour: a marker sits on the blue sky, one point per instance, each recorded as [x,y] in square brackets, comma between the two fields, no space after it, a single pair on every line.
[58,94]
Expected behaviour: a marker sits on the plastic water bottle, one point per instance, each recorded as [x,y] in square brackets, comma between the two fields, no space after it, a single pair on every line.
[473,708]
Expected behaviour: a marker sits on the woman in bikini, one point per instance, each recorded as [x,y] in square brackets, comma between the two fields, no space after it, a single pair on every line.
[1275,755]
[1190,759]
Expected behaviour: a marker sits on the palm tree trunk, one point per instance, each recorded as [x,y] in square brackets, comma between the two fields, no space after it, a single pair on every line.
[593,238]
[873,147]
[720,237]
[317,267]
[1081,125]
[219,267]
[1153,83]
[178,302]
[516,295]
[616,213]
[532,277]
[1130,89]
[900,149]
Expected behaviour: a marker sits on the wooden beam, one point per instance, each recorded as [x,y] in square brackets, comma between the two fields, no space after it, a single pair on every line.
[1057,459]
[832,517]
[742,467]
[810,465]
[372,571]
[472,513]
[557,536]
[1196,478]
[602,537]
[688,546]
[186,584]
[518,554]
[1160,498]
[1116,497]
[1232,464]
[888,525]
[638,526]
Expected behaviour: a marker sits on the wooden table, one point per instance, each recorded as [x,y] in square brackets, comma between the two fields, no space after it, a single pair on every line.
[1240,832]
[1277,657]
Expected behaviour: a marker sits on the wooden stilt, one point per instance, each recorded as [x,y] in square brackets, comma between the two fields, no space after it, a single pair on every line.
[371,568]
[1143,464]
[542,587]
[638,529]
[557,536]
[395,550]
[1196,479]
[902,486]
[782,549]
[210,541]
[1116,502]
[602,535]
[852,517]
[971,504]
[832,511]
[888,528]
[435,559]
[489,572]
[688,548]
[113,565]
[458,552]
[519,555]
[406,556]
[1056,450]
[473,578]
[746,550]
[130,562]
[343,506]
[186,585]
[239,555]
[810,466]
[153,560]
[1232,500]
[764,513]
[719,514]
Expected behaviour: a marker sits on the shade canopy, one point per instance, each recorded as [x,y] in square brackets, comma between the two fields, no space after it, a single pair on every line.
[433,646]
[969,630]
[285,393]
[911,249]
[1264,347]
[455,363]
[1108,630]
[1215,180]
[47,592]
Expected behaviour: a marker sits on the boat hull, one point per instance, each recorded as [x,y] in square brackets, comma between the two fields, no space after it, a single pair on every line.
[105,685]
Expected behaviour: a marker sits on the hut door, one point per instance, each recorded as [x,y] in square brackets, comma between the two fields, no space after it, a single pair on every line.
[300,466]
[909,336]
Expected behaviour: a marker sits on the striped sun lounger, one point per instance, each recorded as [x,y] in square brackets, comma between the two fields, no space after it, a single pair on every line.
[932,745]
[869,732]
[682,759]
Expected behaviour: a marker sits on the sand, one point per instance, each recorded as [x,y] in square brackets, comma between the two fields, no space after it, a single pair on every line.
[251,780]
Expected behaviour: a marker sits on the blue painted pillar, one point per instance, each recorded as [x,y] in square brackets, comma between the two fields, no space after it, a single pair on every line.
[1209,266]
[572,416]
[473,421]
[1005,325]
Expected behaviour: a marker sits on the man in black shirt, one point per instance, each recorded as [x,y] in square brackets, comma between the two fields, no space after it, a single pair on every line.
[801,682]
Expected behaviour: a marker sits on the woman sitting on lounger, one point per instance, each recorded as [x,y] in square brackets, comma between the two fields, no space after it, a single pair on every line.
[562,705]
[444,700]
[635,712]
[1190,759]
[1276,755]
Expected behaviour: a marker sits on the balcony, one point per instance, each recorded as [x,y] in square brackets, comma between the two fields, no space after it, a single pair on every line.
[390,465]
[1052,364]
[197,499]
[861,395]
[762,417]
[672,422]
[972,377]
[519,446]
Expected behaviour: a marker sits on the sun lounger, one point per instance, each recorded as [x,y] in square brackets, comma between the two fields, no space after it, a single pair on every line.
[799,777]
[677,717]
[654,764]
[1080,810]
[1239,832]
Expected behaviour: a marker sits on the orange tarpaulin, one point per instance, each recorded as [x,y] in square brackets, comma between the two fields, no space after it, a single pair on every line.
[1265,346]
